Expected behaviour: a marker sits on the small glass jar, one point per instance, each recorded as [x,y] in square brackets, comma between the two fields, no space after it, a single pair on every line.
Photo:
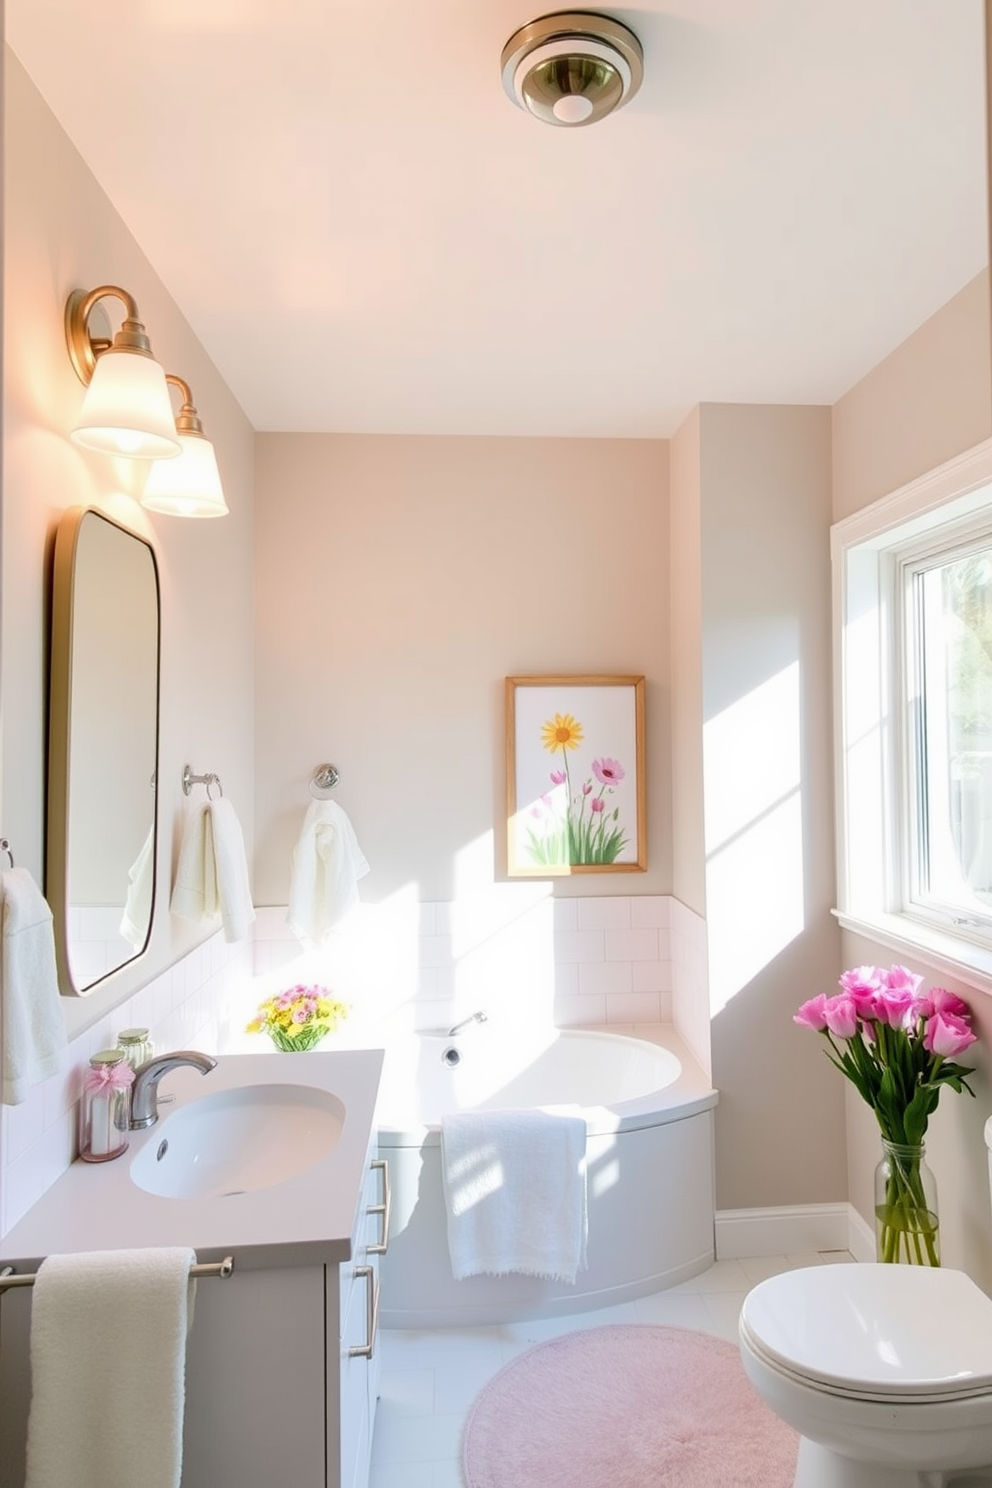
[105,1107]
[136,1046]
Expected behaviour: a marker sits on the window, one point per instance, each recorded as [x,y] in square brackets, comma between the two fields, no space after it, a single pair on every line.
[913,613]
[946,685]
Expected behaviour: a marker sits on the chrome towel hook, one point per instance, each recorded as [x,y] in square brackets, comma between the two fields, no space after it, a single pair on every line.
[325,778]
[189,780]
[5,848]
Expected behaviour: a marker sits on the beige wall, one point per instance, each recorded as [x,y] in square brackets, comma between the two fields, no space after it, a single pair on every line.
[764,516]
[61,233]
[399,581]
[928,401]
[688,856]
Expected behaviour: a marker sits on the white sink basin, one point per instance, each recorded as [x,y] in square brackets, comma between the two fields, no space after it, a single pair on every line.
[246,1138]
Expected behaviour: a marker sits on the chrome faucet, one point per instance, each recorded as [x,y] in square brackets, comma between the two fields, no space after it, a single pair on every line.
[144,1091]
[479,1017]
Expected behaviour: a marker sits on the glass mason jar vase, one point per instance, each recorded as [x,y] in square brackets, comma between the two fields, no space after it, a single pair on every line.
[907,1228]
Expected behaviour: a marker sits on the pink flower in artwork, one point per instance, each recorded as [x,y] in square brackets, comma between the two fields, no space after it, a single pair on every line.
[558,777]
[587,787]
[597,804]
[608,771]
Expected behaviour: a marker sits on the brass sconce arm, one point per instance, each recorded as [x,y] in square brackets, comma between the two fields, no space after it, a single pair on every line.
[84,348]
[187,419]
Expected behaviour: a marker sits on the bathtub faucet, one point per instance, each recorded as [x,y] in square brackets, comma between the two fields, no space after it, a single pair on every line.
[479,1017]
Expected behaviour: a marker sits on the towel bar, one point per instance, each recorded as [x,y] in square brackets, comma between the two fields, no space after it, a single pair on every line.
[208,1268]
[189,780]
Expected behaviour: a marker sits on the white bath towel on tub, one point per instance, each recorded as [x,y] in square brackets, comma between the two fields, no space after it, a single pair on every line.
[108,1366]
[515,1192]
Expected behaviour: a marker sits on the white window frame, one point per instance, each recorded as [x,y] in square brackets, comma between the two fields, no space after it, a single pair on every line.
[868,551]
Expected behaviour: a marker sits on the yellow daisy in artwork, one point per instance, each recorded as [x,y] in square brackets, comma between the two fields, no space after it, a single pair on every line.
[561,732]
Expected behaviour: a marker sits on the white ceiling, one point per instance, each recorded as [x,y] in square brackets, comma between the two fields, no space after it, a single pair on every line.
[367,236]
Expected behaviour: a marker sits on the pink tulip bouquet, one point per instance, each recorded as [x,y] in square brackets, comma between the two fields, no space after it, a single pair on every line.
[897,1046]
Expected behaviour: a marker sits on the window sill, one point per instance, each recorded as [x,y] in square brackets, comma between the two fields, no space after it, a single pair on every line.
[940,953]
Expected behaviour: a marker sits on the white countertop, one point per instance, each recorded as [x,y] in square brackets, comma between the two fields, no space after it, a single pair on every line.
[304,1220]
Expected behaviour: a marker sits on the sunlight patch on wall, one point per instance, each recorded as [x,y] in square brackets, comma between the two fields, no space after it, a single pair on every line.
[502,940]
[754,837]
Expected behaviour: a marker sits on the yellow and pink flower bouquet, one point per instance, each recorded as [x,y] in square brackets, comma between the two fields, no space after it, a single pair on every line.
[298,1018]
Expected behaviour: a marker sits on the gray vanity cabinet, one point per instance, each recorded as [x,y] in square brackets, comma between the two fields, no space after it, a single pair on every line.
[267,1401]
[281,1381]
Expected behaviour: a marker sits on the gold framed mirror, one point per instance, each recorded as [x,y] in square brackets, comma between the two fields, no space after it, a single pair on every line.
[102,747]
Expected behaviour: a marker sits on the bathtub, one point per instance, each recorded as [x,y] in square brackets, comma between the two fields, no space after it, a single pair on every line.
[649,1157]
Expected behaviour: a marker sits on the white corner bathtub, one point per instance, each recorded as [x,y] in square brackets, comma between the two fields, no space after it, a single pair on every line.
[649,1163]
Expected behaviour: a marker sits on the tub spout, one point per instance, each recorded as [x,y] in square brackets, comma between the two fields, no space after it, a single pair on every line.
[479,1017]
[144,1091]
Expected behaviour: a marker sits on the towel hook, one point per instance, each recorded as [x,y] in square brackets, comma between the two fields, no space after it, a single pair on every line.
[325,778]
[5,847]
[189,780]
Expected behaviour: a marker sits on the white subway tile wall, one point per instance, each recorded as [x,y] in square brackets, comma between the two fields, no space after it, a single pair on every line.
[515,951]
[637,959]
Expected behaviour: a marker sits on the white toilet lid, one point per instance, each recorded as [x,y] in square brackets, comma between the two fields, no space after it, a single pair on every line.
[875,1330]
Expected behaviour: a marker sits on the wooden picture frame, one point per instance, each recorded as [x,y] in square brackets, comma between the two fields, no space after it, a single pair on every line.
[575,786]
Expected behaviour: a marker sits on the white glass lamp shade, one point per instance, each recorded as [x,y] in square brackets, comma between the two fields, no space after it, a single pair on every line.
[127,410]
[189,486]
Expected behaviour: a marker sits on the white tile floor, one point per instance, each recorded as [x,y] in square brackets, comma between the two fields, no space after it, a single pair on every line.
[430,1378]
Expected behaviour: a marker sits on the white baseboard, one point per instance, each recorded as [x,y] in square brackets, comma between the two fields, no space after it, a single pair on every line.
[794,1229]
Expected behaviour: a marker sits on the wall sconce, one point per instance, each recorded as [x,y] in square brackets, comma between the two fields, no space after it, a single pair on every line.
[127,409]
[189,486]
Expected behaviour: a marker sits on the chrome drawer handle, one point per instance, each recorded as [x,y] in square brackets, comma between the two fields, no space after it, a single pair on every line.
[364,1350]
[382,1245]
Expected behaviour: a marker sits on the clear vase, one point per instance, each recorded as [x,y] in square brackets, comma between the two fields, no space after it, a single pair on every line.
[907,1228]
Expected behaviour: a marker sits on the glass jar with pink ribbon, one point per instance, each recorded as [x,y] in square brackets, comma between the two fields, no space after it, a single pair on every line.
[105,1109]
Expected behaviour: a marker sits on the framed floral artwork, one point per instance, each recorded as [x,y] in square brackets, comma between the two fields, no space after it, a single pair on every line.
[575,799]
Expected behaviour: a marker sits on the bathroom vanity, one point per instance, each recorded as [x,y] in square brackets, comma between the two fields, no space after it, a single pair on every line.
[282,1363]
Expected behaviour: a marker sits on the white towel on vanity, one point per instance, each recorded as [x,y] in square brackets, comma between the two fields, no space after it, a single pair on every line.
[515,1192]
[212,873]
[108,1368]
[33,1029]
[327,864]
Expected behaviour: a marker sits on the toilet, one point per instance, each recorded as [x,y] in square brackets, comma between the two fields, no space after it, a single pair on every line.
[885,1372]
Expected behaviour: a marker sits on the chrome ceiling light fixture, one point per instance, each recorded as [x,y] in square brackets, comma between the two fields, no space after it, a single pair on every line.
[572,68]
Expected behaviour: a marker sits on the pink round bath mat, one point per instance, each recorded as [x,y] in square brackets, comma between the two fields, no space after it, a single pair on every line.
[630,1406]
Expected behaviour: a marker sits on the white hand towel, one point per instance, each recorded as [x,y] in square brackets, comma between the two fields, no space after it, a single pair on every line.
[138,904]
[212,873]
[231,870]
[33,1029]
[194,893]
[108,1369]
[327,864]
[515,1191]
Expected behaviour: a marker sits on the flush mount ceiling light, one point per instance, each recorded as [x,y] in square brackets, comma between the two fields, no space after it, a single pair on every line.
[189,486]
[126,410]
[572,68]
